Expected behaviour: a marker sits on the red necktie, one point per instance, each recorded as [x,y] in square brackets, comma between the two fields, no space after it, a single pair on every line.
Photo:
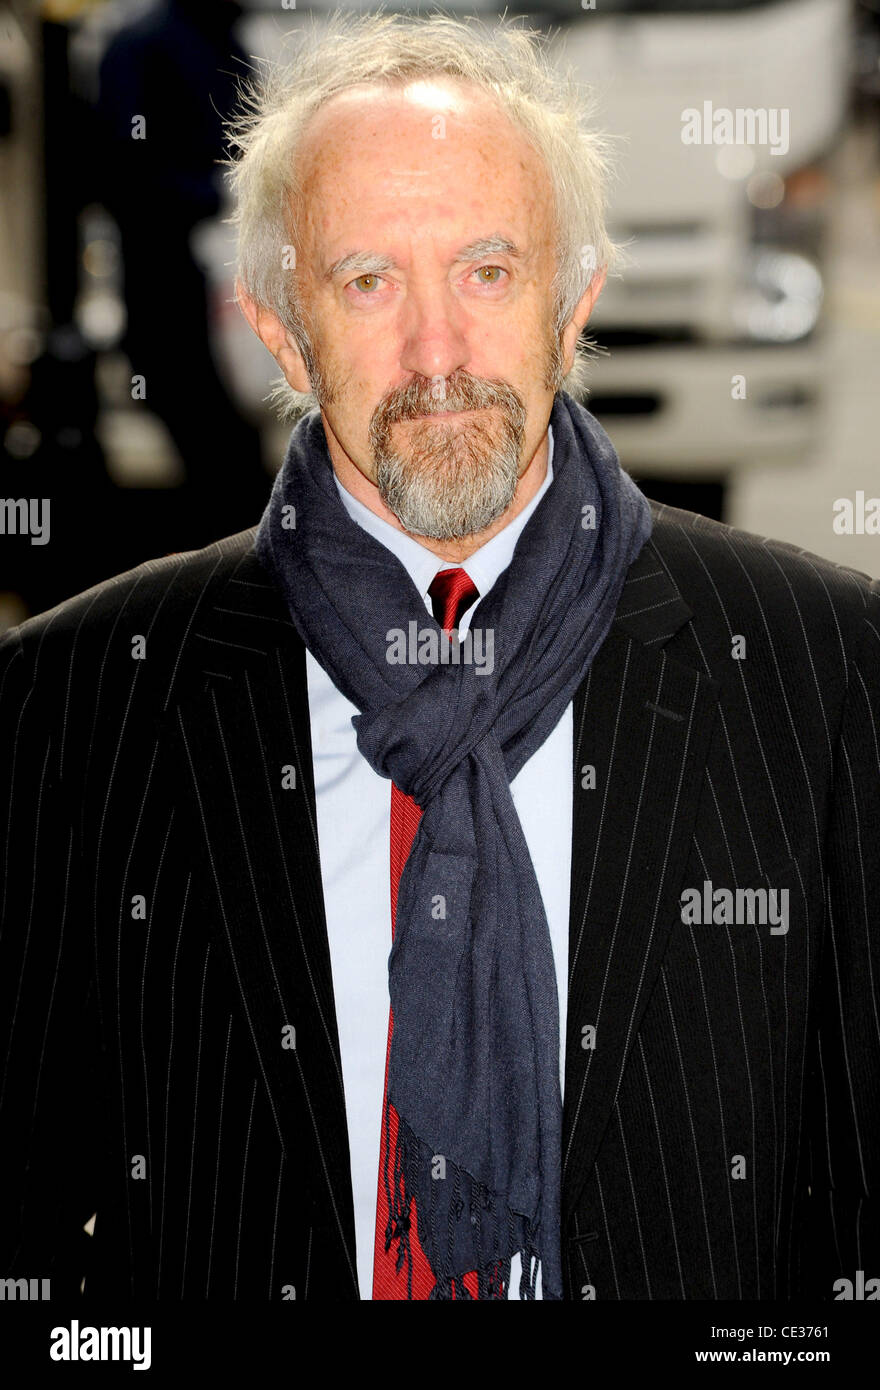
[451,591]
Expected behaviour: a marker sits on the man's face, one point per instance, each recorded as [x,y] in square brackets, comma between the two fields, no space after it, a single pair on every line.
[434,358]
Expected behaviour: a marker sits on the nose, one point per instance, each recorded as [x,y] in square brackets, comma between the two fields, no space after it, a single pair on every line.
[434,337]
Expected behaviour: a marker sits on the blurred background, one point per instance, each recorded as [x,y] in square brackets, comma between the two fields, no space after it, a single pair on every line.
[737,357]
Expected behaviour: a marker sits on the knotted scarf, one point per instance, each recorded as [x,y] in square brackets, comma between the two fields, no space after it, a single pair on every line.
[474,1066]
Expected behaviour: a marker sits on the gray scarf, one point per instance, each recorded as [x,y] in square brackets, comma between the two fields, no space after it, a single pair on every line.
[474,1066]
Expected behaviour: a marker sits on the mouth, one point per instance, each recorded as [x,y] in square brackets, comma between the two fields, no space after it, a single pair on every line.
[443,415]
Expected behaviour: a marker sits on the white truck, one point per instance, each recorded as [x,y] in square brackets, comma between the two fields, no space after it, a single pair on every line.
[714,329]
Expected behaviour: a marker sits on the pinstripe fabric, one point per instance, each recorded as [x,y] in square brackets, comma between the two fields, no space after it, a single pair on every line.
[167,1025]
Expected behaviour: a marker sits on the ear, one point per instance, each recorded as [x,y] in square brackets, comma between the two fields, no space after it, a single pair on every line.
[573,328]
[272,333]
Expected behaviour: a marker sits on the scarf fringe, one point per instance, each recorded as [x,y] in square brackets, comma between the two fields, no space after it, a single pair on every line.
[493,1271]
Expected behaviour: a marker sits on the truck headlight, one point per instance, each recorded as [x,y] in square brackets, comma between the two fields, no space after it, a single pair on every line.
[780,298]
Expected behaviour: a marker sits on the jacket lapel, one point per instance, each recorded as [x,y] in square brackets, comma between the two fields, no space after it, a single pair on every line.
[642,722]
[244,748]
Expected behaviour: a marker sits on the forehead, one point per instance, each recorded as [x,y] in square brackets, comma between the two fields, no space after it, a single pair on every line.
[432,144]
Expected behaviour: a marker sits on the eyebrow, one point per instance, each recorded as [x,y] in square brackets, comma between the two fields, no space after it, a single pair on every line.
[374,262]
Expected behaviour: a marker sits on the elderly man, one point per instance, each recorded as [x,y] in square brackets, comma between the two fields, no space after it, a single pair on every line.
[464,885]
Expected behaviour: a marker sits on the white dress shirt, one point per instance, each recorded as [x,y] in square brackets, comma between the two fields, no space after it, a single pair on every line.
[354,807]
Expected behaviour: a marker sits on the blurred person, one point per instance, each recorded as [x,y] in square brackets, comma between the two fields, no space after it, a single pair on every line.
[176,68]
[462,885]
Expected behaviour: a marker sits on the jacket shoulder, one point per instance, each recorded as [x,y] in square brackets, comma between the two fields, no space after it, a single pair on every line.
[730,570]
[161,596]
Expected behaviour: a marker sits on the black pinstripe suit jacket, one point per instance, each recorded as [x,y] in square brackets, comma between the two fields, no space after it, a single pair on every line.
[163,925]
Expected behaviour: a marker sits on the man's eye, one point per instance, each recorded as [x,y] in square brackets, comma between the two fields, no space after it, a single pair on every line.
[488,274]
[490,268]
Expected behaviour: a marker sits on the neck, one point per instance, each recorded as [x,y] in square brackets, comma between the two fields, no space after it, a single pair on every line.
[453,551]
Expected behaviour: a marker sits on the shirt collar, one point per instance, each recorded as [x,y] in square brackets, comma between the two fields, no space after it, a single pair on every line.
[421,564]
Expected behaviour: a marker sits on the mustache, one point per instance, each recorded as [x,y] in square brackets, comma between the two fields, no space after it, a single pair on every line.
[464,392]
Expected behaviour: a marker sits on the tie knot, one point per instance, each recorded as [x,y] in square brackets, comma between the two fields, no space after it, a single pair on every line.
[451,591]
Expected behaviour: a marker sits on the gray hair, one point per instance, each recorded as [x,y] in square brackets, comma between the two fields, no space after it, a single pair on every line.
[506,61]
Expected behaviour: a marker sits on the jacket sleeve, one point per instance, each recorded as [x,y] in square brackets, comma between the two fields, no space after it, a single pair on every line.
[49,1108]
[845,1175]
